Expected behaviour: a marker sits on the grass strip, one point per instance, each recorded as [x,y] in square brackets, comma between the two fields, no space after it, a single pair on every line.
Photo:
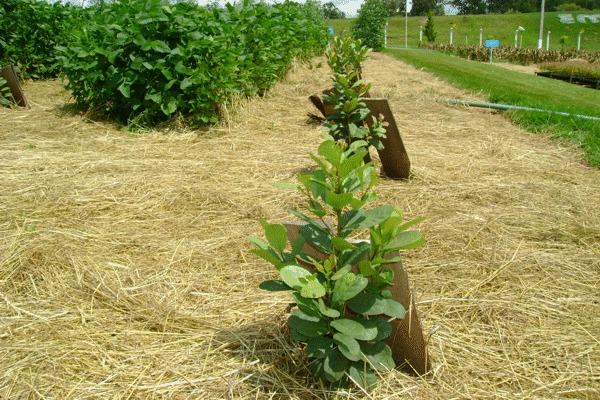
[500,85]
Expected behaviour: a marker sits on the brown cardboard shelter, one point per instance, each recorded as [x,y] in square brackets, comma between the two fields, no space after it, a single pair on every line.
[10,75]
[407,341]
[394,158]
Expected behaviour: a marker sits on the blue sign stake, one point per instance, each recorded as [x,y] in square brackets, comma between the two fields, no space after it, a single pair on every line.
[492,44]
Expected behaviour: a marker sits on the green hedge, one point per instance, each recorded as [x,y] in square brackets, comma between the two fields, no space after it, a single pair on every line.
[142,62]
[30,30]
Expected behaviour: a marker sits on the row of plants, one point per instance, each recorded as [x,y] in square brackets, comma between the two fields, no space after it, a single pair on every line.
[523,56]
[142,62]
[573,69]
[342,302]
[30,30]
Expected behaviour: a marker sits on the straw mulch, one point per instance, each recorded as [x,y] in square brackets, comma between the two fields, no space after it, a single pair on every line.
[125,272]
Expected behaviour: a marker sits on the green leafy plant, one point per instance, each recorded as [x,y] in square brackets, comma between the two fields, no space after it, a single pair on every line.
[142,62]
[345,56]
[429,30]
[348,122]
[563,41]
[30,30]
[343,303]
[5,95]
[370,24]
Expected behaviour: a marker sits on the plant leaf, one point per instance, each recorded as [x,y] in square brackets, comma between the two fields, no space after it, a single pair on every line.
[335,365]
[348,346]
[373,304]
[276,235]
[379,355]
[357,328]
[347,287]
[318,347]
[326,311]
[307,325]
[312,289]
[291,275]
[363,375]
[406,240]
[274,286]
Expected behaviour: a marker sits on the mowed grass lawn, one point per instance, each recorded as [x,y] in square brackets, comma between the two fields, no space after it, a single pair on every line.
[500,85]
[497,26]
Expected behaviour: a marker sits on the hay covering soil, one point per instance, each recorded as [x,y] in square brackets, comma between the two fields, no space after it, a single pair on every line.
[125,273]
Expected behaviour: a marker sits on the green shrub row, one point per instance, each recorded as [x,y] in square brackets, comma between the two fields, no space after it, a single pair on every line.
[574,68]
[30,30]
[515,55]
[142,62]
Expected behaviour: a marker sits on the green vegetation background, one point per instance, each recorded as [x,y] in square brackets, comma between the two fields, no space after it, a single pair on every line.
[496,26]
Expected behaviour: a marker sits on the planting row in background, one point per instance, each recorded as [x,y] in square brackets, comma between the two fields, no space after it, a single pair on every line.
[143,62]
[498,26]
[516,55]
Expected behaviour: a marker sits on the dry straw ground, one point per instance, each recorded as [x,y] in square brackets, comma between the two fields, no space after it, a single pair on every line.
[125,273]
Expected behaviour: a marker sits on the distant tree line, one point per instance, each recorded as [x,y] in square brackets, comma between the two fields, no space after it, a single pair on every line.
[504,6]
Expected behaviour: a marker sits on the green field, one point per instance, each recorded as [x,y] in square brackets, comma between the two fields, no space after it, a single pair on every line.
[504,86]
[497,26]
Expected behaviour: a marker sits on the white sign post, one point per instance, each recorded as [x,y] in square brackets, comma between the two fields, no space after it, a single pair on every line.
[451,35]
[541,37]
[481,37]
[492,44]
[548,41]
[406,24]
[385,36]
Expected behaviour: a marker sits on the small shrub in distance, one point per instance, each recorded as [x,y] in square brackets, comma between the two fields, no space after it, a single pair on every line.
[569,7]
[370,24]
[429,30]
[345,56]
[348,122]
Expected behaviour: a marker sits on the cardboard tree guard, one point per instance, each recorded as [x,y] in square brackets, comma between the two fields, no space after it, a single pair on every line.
[10,75]
[407,340]
[394,158]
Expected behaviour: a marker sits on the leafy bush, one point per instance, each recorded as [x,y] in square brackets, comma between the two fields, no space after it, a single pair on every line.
[569,7]
[429,30]
[30,30]
[348,123]
[370,24]
[520,56]
[345,56]
[143,62]
[342,315]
